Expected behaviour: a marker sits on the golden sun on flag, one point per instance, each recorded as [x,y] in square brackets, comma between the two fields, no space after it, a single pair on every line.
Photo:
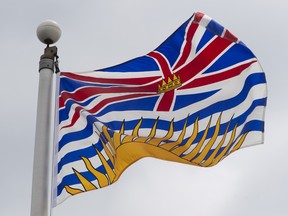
[123,150]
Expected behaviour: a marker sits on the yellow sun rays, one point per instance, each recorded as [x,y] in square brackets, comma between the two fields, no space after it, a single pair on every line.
[103,179]
[123,150]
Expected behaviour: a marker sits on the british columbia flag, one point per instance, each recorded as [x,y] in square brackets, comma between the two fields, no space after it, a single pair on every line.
[195,99]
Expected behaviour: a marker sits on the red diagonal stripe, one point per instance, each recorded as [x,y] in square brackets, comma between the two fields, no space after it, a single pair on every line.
[201,61]
[229,36]
[187,47]
[162,62]
[87,92]
[166,101]
[198,16]
[75,116]
[102,104]
[129,81]
[217,77]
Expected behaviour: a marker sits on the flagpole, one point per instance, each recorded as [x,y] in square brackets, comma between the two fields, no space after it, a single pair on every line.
[48,32]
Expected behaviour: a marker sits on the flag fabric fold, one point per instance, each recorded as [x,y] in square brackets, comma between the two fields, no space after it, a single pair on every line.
[195,99]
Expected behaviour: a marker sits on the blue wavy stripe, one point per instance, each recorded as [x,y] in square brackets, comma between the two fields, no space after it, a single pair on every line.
[148,124]
[256,125]
[178,126]
[221,106]
[78,135]
[78,153]
[146,104]
[252,80]
[72,178]
[253,125]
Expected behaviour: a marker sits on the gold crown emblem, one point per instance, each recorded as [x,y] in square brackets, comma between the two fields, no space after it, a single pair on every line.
[170,84]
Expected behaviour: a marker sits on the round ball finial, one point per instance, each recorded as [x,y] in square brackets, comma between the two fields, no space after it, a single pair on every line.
[48,32]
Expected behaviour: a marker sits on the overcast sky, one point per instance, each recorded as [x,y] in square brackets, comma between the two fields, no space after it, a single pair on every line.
[97,34]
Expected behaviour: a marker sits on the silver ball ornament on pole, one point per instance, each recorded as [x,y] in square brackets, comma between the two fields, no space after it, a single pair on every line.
[49,32]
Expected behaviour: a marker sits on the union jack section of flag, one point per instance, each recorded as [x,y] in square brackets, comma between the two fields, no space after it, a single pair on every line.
[195,99]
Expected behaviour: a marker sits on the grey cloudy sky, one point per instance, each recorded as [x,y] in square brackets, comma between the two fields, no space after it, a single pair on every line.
[97,34]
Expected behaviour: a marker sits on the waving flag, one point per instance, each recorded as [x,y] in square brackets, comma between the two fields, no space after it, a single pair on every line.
[195,99]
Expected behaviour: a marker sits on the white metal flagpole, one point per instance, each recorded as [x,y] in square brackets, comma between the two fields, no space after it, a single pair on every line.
[48,32]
